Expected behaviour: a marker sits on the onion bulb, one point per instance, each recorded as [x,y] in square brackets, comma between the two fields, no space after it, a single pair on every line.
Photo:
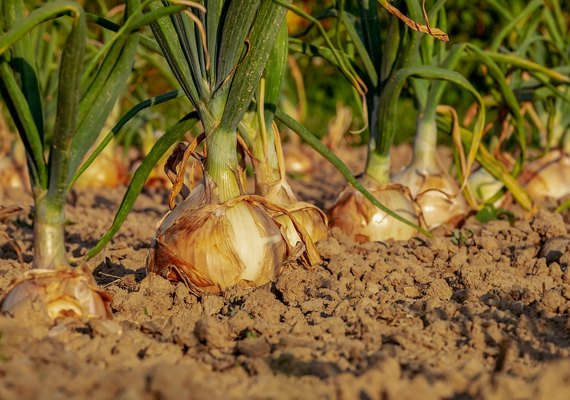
[308,216]
[548,176]
[312,218]
[436,194]
[484,186]
[297,160]
[13,172]
[64,292]
[279,192]
[211,245]
[361,220]
[108,170]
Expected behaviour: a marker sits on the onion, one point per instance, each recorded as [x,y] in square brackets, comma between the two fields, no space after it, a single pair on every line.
[313,220]
[548,176]
[484,186]
[359,219]
[297,160]
[211,245]
[64,292]
[107,170]
[272,184]
[307,215]
[436,193]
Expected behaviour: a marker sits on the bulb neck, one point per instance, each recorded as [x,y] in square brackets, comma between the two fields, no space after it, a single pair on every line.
[265,164]
[378,167]
[49,237]
[222,163]
[425,144]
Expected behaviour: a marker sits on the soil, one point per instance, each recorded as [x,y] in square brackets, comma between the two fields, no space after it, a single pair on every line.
[478,312]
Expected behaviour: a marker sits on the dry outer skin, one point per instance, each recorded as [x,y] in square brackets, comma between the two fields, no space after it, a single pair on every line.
[482,313]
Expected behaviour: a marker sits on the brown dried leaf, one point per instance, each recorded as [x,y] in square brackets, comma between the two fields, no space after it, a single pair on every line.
[435,32]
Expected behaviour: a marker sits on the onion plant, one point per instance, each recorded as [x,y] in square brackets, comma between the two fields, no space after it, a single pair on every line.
[547,102]
[85,96]
[527,66]
[436,193]
[220,235]
[386,62]
[261,136]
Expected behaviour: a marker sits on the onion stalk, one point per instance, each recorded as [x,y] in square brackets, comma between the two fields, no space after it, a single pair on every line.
[84,101]
[271,183]
[549,175]
[352,213]
[387,71]
[436,193]
[220,236]
[536,61]
[262,137]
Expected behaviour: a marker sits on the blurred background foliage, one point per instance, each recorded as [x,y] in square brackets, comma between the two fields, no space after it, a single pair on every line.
[314,90]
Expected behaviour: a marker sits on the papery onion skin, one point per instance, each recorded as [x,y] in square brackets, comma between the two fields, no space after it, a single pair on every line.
[212,246]
[63,292]
[548,176]
[308,215]
[484,186]
[361,220]
[437,195]
[312,219]
[314,224]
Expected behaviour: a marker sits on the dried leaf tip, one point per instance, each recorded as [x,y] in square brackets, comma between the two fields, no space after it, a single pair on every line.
[435,32]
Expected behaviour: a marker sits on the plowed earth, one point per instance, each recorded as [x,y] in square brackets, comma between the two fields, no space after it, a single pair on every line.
[478,312]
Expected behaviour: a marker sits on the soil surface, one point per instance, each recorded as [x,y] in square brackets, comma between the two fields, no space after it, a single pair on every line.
[481,312]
